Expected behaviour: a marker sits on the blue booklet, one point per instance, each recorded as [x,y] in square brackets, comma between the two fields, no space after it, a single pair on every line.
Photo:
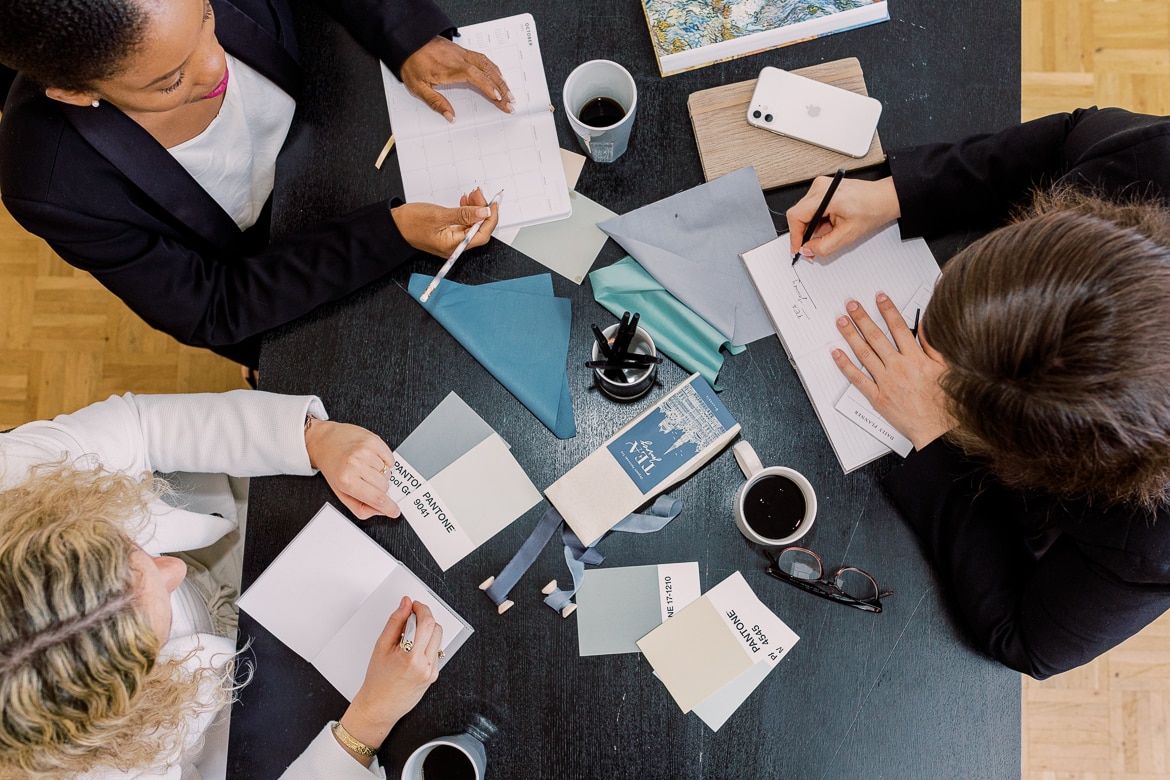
[671,434]
[661,447]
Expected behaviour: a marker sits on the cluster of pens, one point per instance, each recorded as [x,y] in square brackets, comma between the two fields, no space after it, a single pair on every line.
[616,355]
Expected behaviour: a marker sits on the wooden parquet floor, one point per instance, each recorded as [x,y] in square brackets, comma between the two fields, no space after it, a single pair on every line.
[1109,720]
[65,342]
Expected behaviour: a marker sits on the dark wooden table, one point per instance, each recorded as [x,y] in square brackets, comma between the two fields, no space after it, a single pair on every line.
[897,695]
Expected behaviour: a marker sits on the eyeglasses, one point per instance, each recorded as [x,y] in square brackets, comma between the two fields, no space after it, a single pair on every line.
[847,585]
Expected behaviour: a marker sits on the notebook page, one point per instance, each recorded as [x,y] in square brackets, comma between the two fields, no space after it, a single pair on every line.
[485,147]
[804,302]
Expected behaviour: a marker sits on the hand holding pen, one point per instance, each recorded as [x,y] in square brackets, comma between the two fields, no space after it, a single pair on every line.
[857,209]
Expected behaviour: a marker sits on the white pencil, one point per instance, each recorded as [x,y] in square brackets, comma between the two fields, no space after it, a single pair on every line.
[442,274]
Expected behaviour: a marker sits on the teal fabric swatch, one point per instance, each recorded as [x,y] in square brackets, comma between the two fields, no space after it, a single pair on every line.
[679,333]
[519,332]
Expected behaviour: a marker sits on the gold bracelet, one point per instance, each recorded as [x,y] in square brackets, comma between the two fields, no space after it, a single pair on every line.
[347,739]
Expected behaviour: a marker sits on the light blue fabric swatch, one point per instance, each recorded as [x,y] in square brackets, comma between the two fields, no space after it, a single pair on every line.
[678,332]
[691,242]
[519,332]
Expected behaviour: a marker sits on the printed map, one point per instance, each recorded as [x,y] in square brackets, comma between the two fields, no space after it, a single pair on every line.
[681,25]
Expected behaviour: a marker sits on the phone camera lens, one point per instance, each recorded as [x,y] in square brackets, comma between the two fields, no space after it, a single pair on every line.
[756,114]
[767,117]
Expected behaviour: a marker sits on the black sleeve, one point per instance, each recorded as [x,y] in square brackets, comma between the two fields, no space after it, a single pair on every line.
[1040,617]
[208,300]
[976,182]
[391,30]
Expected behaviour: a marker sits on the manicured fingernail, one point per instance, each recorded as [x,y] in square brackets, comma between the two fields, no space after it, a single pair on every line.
[511,99]
[511,107]
[852,306]
[496,94]
[804,250]
[836,352]
[842,322]
[882,297]
[483,212]
[448,116]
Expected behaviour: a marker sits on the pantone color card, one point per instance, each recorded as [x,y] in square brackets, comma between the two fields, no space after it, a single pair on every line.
[617,607]
[731,642]
[456,482]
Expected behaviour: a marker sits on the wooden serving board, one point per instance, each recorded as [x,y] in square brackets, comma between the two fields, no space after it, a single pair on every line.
[727,142]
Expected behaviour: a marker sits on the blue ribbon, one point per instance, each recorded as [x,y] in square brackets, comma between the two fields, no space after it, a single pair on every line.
[577,555]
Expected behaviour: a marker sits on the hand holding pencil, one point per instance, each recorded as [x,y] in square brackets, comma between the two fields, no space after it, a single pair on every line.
[438,230]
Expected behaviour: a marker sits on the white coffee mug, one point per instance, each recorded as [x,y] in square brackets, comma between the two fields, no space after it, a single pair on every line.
[605,79]
[755,472]
[471,748]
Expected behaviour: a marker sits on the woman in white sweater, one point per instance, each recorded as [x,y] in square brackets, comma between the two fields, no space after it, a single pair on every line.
[109,666]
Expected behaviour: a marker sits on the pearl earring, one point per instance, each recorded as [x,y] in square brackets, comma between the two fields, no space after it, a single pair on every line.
[96,103]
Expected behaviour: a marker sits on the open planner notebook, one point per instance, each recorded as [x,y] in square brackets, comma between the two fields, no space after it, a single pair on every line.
[485,147]
[804,302]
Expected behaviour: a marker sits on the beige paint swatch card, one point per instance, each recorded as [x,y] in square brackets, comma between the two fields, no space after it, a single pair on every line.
[714,641]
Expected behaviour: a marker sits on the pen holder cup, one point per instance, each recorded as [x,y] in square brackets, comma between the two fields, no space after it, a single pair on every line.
[633,382]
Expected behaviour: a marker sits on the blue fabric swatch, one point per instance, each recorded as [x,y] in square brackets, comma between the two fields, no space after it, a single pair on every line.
[519,332]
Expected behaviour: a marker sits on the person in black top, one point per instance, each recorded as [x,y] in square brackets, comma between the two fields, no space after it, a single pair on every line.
[110,91]
[1037,395]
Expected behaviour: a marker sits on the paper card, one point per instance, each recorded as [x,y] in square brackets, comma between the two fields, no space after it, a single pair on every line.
[616,607]
[450,430]
[857,409]
[567,246]
[726,632]
[573,163]
[467,491]
[328,596]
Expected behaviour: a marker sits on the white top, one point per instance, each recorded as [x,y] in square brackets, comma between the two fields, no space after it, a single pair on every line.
[244,433]
[234,159]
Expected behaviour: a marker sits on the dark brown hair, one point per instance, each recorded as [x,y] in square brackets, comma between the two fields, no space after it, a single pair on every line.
[1056,333]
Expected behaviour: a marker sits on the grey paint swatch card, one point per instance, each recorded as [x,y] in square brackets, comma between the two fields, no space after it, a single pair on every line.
[449,431]
[617,607]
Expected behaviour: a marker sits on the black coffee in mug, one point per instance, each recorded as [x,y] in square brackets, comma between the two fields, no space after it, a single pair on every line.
[774,506]
[601,112]
[447,762]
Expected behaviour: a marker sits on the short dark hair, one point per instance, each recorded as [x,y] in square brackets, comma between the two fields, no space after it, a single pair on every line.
[69,44]
[1056,334]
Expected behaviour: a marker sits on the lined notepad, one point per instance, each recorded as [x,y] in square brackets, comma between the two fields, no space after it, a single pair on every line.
[805,300]
[485,147]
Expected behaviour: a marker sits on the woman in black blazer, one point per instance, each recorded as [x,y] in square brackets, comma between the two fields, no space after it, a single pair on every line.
[1038,394]
[84,161]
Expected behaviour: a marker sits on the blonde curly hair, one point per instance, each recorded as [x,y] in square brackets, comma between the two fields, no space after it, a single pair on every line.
[81,683]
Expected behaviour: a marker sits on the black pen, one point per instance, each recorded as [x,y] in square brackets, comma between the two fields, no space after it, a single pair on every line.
[816,220]
[602,343]
[914,327]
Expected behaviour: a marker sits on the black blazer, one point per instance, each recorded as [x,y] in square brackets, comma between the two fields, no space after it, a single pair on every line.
[1107,574]
[112,201]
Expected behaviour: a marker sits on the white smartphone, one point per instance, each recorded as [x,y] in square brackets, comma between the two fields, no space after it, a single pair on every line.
[814,112]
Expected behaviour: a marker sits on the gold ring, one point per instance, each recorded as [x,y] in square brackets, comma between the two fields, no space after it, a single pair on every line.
[385,466]
[441,655]
[406,644]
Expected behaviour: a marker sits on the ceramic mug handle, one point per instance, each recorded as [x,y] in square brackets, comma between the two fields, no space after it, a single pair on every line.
[748,460]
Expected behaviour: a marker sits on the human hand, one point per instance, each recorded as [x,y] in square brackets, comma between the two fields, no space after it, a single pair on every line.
[442,62]
[439,230]
[903,380]
[396,678]
[857,209]
[354,463]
